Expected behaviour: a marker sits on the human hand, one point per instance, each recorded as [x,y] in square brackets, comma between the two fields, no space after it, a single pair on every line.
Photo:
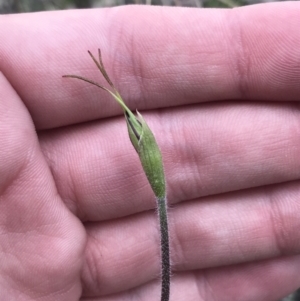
[76,211]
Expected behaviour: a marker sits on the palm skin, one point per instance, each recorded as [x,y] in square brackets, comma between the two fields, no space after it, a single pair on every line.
[76,212]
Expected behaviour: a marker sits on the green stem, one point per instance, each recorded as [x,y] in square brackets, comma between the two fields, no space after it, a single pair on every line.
[165,249]
[144,143]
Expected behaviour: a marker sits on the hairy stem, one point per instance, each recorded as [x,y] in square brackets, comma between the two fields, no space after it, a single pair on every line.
[165,249]
[145,145]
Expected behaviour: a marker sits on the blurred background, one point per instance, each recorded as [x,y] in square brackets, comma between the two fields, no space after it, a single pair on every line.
[15,6]
[20,6]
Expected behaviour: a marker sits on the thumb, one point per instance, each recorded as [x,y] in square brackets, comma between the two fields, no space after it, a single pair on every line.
[40,239]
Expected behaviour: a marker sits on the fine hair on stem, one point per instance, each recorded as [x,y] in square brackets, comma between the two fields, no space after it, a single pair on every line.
[149,154]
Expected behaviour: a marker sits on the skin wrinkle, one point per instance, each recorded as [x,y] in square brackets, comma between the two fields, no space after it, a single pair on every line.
[177,249]
[208,289]
[27,160]
[130,262]
[187,158]
[174,131]
[285,66]
[138,71]
[277,216]
[276,224]
[75,199]
[91,273]
[128,57]
[71,203]
[139,65]
[9,182]
[241,54]
[295,110]
[176,243]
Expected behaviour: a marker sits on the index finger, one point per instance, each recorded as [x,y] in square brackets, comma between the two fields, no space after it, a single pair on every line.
[155,60]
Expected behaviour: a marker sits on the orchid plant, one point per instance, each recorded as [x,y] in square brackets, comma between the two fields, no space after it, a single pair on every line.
[148,151]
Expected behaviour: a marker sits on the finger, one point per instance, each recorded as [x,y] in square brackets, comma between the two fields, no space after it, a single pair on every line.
[216,231]
[263,281]
[247,53]
[38,233]
[206,149]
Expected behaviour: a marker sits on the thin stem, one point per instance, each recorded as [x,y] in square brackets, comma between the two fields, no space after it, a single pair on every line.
[101,68]
[117,97]
[86,80]
[143,139]
[165,249]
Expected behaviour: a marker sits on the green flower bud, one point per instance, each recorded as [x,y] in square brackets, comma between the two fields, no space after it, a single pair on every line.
[145,145]
[140,135]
